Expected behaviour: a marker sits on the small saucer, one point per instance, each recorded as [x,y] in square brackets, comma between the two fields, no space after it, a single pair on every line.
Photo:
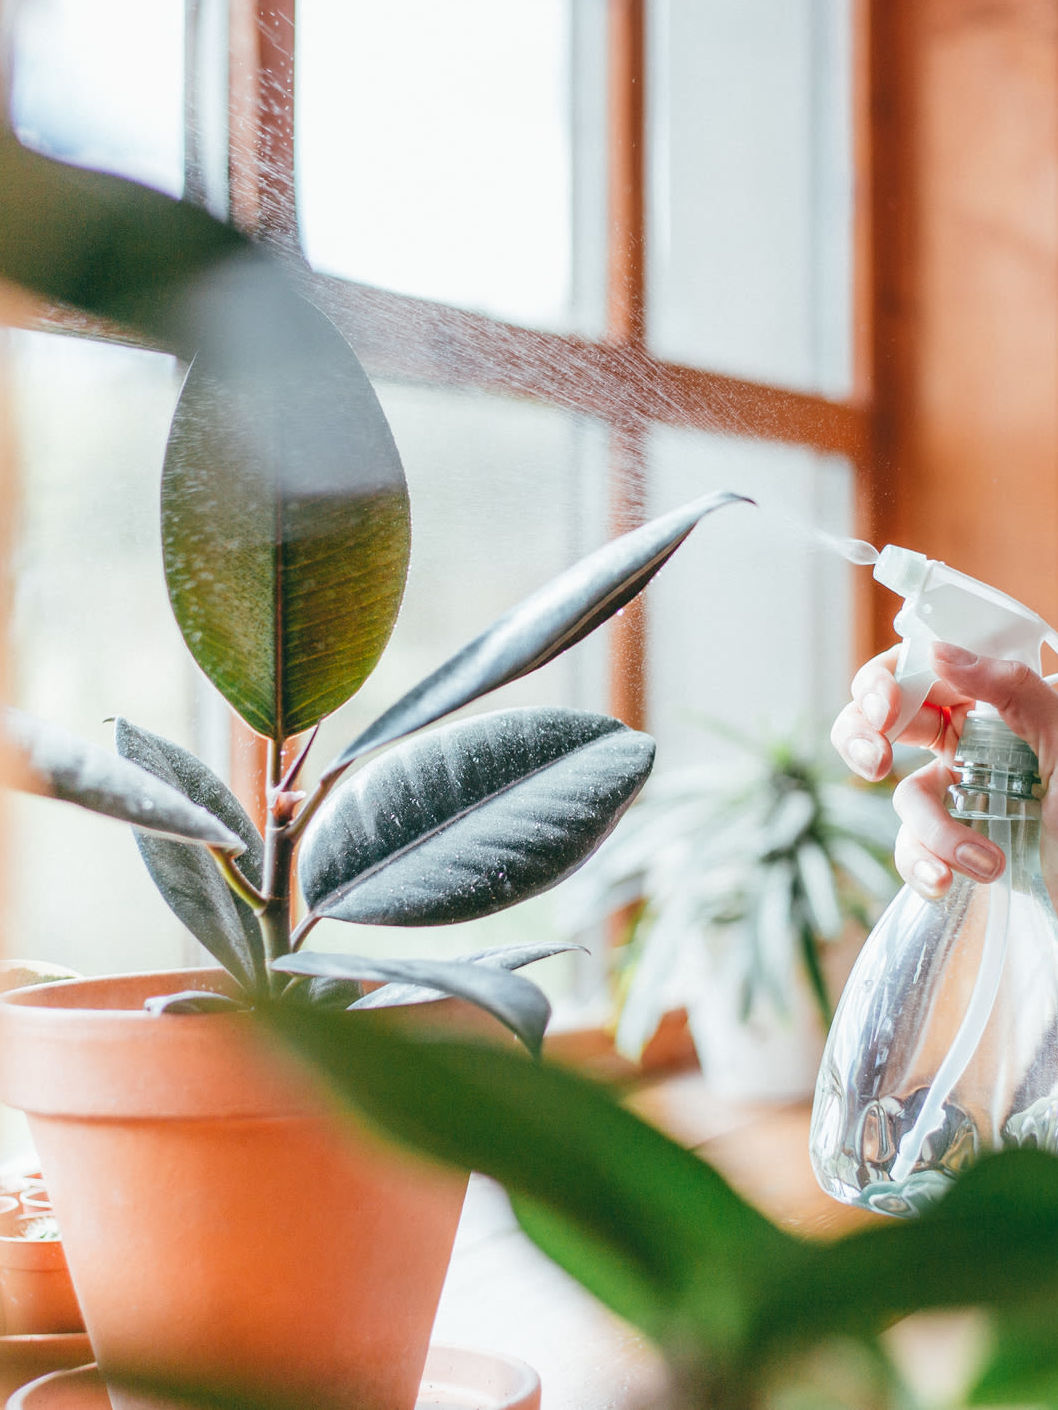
[27,1356]
[454,1379]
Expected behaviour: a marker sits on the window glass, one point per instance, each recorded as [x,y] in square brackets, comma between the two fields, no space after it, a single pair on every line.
[92,636]
[101,84]
[749,196]
[504,495]
[750,625]
[439,148]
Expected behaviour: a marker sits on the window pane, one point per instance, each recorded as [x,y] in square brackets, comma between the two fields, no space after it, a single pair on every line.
[504,495]
[92,636]
[750,624]
[750,188]
[101,84]
[438,147]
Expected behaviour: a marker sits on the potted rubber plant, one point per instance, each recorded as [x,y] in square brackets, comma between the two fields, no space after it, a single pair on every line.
[285,533]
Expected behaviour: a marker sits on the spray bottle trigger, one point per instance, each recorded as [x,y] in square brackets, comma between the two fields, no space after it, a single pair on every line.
[913,692]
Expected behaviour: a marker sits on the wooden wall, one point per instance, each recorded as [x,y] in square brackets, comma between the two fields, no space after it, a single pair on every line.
[964,206]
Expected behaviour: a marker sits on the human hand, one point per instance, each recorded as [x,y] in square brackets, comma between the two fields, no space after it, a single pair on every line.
[931,844]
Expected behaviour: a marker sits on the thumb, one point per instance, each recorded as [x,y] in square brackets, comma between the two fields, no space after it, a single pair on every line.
[1024,700]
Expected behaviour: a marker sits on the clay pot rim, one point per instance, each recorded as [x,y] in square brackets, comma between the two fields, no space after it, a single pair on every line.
[87,1047]
[53,995]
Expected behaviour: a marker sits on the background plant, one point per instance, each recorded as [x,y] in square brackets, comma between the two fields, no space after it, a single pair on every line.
[760,861]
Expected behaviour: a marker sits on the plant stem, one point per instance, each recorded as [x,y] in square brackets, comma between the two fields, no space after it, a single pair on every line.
[278,859]
[242,887]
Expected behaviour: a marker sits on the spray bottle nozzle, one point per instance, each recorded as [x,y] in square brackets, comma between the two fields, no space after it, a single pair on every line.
[941,604]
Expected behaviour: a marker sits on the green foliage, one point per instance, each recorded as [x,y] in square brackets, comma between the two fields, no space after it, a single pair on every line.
[745,1311]
[285,534]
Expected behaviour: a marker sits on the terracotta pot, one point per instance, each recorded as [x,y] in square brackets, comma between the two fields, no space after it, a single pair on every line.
[174,1149]
[36,1294]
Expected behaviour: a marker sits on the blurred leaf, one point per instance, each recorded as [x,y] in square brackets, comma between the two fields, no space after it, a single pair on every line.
[819,889]
[471,817]
[647,1226]
[499,957]
[1023,1367]
[285,526]
[57,764]
[552,619]
[107,245]
[991,1242]
[187,876]
[877,880]
[515,1001]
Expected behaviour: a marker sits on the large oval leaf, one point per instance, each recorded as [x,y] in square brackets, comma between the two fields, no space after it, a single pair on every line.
[472,817]
[187,876]
[549,621]
[56,764]
[284,525]
[515,1001]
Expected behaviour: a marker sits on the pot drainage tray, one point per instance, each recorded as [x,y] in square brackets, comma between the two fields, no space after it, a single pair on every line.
[454,1379]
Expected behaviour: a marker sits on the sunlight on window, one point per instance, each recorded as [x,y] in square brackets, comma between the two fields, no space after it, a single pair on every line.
[435,149]
[101,85]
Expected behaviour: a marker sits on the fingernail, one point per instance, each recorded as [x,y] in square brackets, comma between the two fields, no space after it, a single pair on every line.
[876,709]
[929,875]
[978,860]
[865,756]
[953,655]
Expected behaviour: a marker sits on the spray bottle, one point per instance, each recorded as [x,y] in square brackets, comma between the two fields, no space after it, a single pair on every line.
[945,1042]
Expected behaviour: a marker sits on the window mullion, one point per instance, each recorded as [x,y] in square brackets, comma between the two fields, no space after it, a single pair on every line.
[626,308]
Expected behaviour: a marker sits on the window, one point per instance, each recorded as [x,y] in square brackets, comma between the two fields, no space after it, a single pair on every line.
[597,256]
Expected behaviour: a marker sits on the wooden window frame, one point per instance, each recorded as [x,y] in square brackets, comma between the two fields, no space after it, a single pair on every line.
[624,386]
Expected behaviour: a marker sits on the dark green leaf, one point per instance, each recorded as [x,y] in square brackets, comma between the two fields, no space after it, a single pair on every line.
[515,1001]
[499,957]
[650,1228]
[193,1001]
[471,818]
[56,764]
[186,876]
[554,618]
[284,525]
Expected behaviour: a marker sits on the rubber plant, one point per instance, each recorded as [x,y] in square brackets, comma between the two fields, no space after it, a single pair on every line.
[285,533]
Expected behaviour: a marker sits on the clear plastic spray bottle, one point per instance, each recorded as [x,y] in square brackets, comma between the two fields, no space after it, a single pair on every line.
[945,1042]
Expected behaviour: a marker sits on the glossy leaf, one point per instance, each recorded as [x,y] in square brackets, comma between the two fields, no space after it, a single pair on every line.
[471,817]
[56,764]
[647,1226]
[498,957]
[515,1001]
[285,527]
[187,876]
[552,619]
